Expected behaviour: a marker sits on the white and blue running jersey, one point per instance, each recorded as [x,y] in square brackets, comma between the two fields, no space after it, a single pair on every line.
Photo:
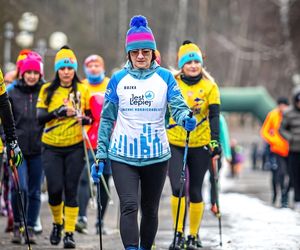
[140,128]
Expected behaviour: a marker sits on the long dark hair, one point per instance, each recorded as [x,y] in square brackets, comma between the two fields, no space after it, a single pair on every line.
[56,83]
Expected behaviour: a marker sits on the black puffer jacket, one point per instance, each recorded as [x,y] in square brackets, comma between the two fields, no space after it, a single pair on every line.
[23,99]
[290,125]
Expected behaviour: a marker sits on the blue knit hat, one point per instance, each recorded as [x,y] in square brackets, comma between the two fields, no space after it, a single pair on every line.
[189,52]
[65,57]
[139,36]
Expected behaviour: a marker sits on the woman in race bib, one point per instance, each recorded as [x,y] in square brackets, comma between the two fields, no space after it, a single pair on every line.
[63,108]
[136,101]
[202,96]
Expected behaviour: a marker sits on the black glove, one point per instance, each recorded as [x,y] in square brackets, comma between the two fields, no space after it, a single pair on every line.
[86,120]
[14,153]
[214,148]
[61,111]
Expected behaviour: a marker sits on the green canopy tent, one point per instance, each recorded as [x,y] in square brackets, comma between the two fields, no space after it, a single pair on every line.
[255,100]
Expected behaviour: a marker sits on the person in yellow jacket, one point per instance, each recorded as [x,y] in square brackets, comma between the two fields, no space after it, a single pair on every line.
[202,96]
[63,107]
[279,150]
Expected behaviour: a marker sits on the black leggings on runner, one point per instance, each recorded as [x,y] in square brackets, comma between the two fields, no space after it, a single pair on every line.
[294,163]
[63,166]
[127,180]
[198,160]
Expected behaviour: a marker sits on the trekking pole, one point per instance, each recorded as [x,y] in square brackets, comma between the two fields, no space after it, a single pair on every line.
[215,171]
[76,105]
[17,184]
[99,209]
[182,180]
[94,157]
[88,170]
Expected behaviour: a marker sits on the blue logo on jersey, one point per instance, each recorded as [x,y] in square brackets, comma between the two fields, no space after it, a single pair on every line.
[149,95]
[140,100]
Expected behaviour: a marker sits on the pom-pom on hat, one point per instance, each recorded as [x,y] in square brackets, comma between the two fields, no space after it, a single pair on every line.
[139,36]
[31,64]
[187,52]
[22,55]
[65,57]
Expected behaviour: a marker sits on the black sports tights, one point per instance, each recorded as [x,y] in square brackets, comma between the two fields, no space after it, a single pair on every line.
[197,164]
[63,166]
[127,180]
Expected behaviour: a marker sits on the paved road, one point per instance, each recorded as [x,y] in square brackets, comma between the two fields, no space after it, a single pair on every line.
[250,183]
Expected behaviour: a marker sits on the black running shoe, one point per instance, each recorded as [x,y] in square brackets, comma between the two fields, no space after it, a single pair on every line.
[193,243]
[69,241]
[55,236]
[179,243]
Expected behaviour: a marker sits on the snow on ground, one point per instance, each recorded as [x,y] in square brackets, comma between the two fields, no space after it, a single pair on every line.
[254,225]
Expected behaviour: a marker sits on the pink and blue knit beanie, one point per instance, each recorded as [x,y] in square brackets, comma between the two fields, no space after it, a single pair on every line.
[139,36]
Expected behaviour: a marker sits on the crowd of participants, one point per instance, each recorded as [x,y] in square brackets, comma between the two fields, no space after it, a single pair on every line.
[132,127]
[51,119]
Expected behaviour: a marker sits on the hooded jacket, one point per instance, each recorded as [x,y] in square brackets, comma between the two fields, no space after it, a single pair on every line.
[290,125]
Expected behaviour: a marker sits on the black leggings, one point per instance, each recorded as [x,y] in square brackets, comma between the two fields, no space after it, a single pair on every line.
[63,166]
[127,180]
[279,175]
[294,163]
[198,160]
